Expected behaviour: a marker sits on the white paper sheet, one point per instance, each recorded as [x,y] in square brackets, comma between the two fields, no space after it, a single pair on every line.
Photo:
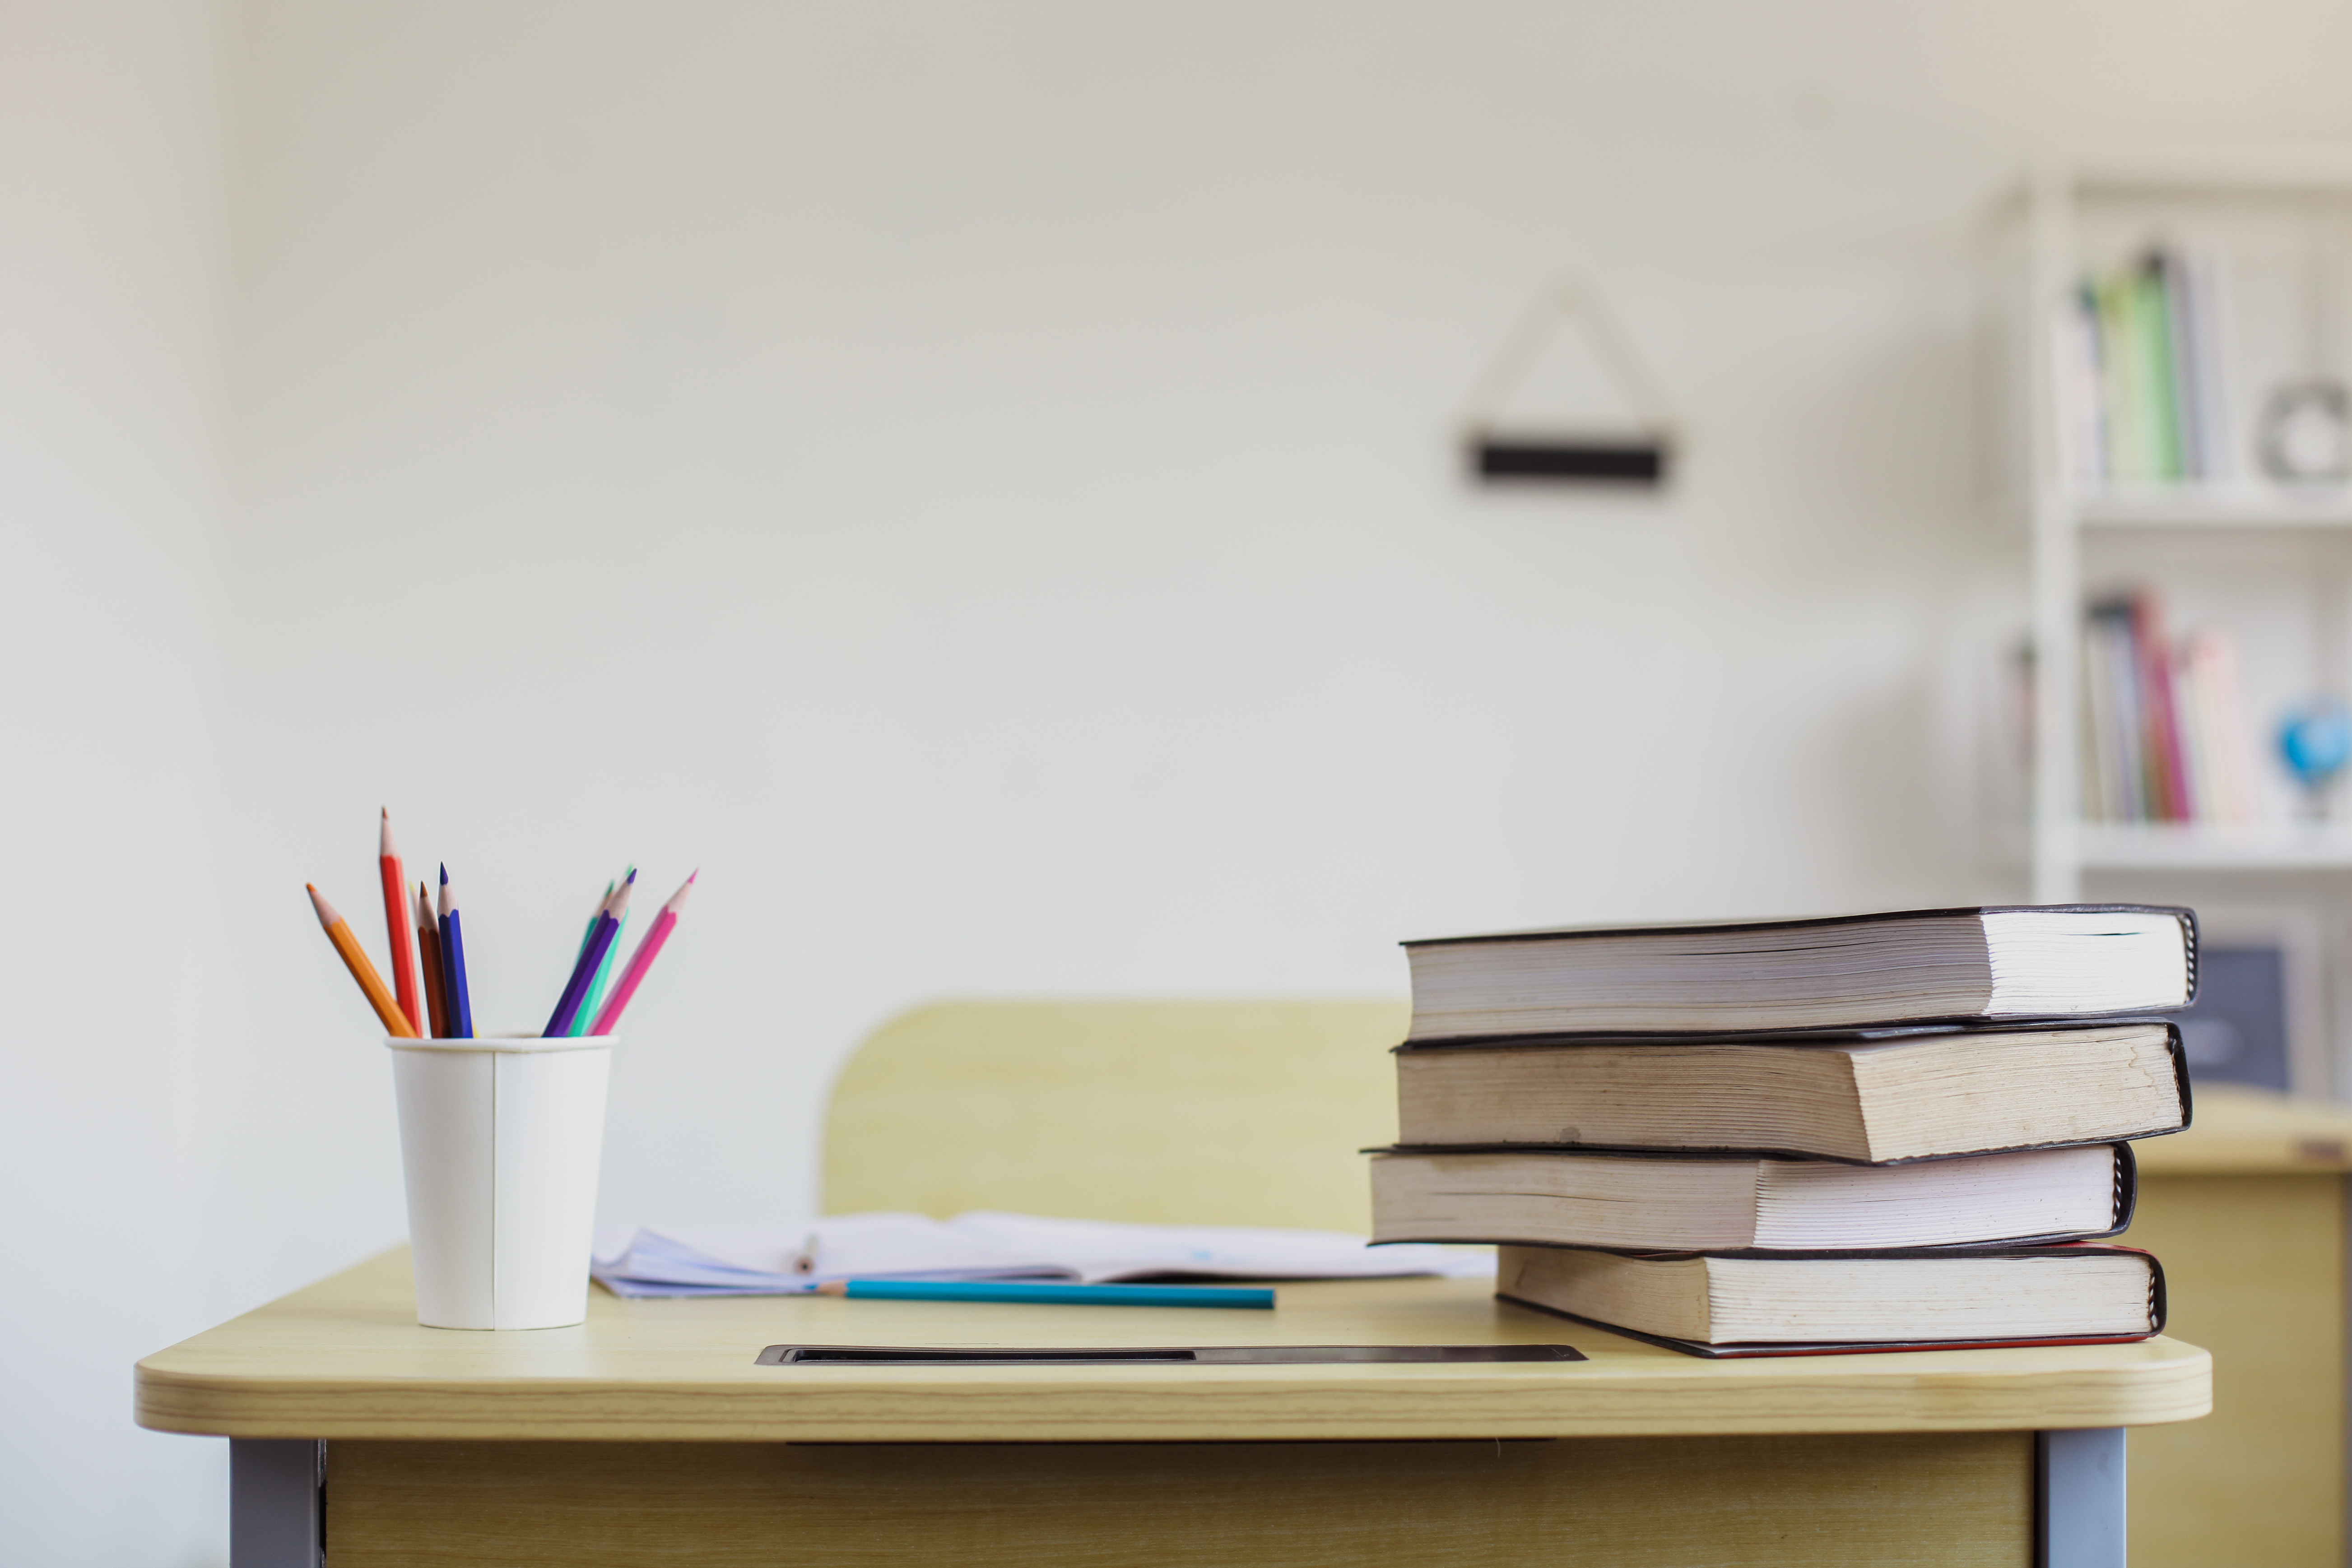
[983,1245]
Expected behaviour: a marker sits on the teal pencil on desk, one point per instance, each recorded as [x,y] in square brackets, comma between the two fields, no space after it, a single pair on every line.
[1043,1292]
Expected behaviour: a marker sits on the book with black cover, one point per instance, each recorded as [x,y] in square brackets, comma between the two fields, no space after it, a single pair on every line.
[1878,1097]
[1973,1293]
[1721,1202]
[1968,965]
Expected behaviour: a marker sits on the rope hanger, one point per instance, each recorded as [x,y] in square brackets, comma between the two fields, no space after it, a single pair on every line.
[1641,458]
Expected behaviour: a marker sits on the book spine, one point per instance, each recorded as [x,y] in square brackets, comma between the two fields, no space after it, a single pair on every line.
[2127,1189]
[2196,736]
[2118,382]
[2211,668]
[2189,399]
[2075,340]
[2168,783]
[2152,302]
[2124,727]
[2102,775]
[2210,338]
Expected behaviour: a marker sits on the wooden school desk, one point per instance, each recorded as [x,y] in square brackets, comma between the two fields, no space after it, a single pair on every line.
[648,1436]
[2248,1209]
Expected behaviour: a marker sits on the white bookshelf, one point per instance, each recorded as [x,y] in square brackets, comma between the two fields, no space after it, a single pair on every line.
[2168,846]
[2271,562]
[2212,507]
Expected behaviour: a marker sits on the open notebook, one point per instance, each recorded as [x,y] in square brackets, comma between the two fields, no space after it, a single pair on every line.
[783,1259]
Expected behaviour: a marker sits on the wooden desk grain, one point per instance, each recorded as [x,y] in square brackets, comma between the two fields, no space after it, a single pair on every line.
[346,1359]
[2248,1209]
[2251,1131]
[1902,1500]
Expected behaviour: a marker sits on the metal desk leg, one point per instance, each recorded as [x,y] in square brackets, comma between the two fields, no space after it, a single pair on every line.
[2078,1499]
[277,1502]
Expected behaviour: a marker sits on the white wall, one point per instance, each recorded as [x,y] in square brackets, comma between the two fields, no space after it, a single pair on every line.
[976,480]
[109,288]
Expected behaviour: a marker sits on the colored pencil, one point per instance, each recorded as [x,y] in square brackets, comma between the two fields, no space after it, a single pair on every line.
[396,928]
[429,949]
[648,948]
[588,932]
[596,981]
[601,979]
[338,932]
[453,965]
[1041,1291]
[576,989]
[588,935]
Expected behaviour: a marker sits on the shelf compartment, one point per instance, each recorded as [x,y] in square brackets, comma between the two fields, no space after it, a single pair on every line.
[2212,507]
[2187,846]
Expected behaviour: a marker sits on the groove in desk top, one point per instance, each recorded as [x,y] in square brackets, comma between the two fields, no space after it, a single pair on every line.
[346,1358]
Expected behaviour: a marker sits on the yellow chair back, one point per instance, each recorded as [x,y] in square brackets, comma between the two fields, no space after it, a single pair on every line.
[1205,1113]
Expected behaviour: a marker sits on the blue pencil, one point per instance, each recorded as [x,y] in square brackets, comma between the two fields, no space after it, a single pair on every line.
[453,965]
[576,989]
[594,999]
[588,935]
[1050,1290]
[588,932]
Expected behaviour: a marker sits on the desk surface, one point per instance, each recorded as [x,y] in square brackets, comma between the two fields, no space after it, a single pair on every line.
[2240,1131]
[346,1358]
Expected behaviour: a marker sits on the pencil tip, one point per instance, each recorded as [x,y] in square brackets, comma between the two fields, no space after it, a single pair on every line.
[383,846]
[692,874]
[633,873]
[445,874]
[319,904]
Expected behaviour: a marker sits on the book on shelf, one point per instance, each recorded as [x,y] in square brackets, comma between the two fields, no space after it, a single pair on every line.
[2164,722]
[1878,1097]
[1911,966]
[1576,1198]
[1840,1302]
[2138,363]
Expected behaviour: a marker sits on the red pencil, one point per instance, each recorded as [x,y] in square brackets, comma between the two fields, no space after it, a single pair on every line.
[397,928]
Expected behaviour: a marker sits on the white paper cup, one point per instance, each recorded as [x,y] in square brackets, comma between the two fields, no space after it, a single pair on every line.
[499,1142]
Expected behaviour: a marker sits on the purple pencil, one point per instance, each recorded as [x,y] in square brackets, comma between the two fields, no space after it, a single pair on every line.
[600,942]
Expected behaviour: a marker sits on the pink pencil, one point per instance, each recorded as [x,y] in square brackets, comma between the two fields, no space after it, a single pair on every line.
[642,959]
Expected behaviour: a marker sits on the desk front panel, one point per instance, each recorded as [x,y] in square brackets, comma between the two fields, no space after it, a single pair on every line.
[1955,1499]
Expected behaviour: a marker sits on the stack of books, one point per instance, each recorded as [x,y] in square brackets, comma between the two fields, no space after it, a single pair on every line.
[1801,1137]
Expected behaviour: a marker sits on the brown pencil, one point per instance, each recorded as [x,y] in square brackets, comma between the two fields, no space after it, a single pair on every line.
[338,932]
[428,948]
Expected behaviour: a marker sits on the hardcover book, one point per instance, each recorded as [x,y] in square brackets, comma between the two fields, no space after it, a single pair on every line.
[1669,1202]
[1833,1304]
[1876,1099]
[1912,966]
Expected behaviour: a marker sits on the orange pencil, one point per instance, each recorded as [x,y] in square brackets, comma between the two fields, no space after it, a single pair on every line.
[338,932]
[428,948]
[396,928]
